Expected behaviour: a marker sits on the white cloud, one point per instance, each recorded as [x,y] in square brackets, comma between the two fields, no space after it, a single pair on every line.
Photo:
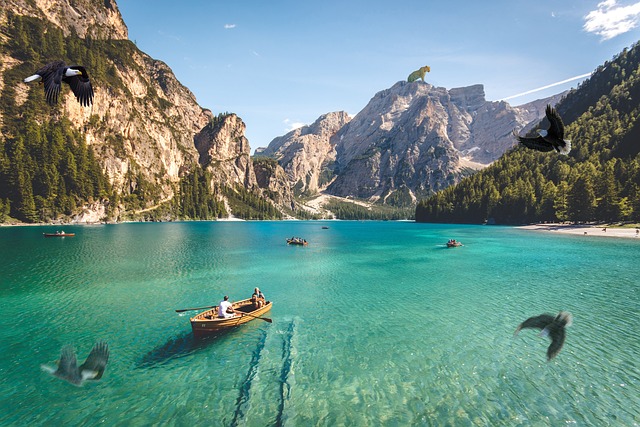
[229,26]
[610,20]
[291,125]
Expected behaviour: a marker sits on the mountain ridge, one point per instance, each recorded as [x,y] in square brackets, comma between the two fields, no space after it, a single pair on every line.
[411,139]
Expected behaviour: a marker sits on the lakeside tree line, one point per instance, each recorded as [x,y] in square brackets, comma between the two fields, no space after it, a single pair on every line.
[598,181]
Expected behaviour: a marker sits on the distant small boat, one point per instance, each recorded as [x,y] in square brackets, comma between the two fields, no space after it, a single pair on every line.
[59,234]
[324,227]
[208,322]
[297,241]
[453,243]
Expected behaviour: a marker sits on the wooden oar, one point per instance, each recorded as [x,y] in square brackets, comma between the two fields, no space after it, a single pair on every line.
[197,308]
[266,319]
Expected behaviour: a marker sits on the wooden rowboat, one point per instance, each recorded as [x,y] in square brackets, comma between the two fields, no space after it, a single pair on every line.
[208,322]
[59,234]
[453,244]
[297,241]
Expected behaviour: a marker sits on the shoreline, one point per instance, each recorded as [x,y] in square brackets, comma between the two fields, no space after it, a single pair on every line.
[571,229]
[586,230]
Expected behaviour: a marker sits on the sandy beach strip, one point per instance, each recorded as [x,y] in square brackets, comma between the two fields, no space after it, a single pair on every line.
[586,230]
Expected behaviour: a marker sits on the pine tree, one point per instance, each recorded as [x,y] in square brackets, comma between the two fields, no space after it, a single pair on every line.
[581,200]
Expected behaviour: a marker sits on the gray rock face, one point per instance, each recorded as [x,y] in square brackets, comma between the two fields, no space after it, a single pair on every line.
[98,19]
[225,150]
[400,139]
[274,183]
[306,153]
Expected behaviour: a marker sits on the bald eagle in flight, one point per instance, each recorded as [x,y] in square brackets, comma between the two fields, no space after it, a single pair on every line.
[552,326]
[54,73]
[91,369]
[551,139]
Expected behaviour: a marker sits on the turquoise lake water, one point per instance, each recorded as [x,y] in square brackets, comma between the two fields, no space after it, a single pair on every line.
[374,323]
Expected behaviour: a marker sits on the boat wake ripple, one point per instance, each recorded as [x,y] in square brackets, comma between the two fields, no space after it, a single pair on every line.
[286,376]
[269,380]
[245,390]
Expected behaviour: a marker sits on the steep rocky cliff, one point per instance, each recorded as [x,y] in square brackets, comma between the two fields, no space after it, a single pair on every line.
[274,182]
[306,153]
[93,18]
[224,149]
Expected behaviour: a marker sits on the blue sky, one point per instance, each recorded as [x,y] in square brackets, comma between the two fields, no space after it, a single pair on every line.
[280,64]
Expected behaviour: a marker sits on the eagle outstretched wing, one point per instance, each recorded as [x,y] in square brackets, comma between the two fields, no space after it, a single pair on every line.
[556,126]
[538,143]
[94,366]
[539,322]
[81,86]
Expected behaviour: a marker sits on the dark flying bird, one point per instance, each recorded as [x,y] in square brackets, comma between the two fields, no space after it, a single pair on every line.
[551,139]
[53,74]
[91,369]
[552,326]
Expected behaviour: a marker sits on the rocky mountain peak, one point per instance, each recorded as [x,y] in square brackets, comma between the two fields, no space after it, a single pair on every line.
[224,148]
[307,151]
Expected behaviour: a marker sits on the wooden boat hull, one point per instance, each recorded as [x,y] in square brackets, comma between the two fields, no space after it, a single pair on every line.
[454,245]
[207,322]
[296,242]
[59,234]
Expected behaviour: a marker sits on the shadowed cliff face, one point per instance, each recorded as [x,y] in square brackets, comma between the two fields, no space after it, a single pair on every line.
[225,150]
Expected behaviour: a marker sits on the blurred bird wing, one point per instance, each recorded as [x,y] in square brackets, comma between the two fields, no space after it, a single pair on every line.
[67,365]
[52,84]
[556,126]
[48,369]
[557,341]
[537,143]
[51,68]
[96,362]
[539,322]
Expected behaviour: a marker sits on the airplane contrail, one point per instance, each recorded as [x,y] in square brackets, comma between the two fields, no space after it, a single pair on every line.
[581,76]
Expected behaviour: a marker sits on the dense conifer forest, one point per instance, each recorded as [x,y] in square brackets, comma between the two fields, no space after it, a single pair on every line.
[598,181]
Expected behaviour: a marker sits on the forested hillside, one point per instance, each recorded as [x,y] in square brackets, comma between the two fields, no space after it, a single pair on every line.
[598,181]
[47,170]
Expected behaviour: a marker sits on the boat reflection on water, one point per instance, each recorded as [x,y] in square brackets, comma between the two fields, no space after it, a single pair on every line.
[180,346]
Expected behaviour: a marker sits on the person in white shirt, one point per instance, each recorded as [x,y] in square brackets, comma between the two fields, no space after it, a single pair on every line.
[225,309]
